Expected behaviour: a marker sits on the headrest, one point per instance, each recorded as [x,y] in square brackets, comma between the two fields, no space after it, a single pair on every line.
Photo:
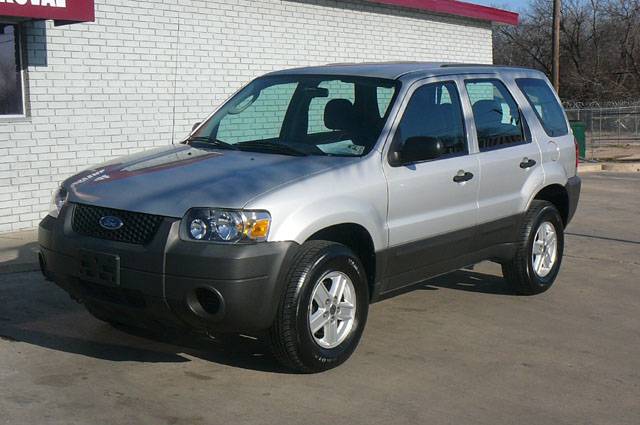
[338,114]
[489,111]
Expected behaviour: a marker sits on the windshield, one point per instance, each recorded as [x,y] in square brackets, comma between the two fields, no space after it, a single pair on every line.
[303,115]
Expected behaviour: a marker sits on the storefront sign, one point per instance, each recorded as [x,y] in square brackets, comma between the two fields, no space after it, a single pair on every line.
[59,10]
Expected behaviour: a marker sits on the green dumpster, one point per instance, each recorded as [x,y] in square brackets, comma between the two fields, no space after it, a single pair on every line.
[579,131]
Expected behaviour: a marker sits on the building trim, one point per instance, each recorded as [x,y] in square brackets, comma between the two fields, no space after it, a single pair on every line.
[457,8]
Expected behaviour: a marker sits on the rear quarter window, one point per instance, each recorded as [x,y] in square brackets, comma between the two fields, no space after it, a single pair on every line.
[546,106]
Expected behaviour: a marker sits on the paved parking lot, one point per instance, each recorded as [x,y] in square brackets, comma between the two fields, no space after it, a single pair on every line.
[460,349]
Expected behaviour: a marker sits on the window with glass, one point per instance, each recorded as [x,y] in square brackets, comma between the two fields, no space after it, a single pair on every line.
[11,95]
[496,115]
[545,104]
[336,89]
[302,115]
[434,113]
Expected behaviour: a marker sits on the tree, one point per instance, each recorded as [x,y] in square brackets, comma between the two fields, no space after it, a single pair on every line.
[600,47]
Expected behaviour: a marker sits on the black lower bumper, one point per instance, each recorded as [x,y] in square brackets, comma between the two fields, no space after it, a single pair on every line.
[183,284]
[573,191]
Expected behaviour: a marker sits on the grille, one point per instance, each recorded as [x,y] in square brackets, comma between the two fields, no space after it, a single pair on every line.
[138,228]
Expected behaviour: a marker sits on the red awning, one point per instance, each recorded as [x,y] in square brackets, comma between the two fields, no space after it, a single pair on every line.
[83,10]
[62,11]
[457,8]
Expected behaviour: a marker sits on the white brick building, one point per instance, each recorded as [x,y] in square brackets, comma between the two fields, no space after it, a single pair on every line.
[146,70]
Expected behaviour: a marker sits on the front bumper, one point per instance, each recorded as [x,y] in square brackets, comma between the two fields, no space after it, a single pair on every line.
[181,284]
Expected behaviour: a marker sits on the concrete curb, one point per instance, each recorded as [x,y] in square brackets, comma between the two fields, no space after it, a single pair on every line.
[614,167]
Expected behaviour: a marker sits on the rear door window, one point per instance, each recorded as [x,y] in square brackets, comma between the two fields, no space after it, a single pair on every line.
[496,114]
[545,104]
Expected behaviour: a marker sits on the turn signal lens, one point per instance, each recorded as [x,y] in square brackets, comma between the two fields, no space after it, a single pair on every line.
[258,229]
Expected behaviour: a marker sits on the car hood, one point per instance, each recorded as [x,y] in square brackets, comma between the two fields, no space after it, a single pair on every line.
[169,181]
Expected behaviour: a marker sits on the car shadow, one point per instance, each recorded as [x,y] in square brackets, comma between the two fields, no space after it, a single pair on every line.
[461,280]
[471,281]
[36,312]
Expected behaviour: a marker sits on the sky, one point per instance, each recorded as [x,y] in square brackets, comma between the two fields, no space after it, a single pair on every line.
[515,5]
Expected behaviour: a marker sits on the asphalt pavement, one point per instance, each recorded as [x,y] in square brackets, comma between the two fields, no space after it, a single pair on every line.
[458,349]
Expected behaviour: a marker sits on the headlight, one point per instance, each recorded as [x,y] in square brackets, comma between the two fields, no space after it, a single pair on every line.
[58,199]
[217,225]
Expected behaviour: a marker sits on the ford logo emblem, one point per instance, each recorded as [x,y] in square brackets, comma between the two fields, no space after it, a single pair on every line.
[110,222]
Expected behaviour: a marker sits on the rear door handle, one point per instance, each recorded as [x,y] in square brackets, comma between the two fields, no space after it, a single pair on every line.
[462,176]
[527,163]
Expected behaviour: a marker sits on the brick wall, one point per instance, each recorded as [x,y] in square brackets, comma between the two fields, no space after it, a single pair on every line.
[146,70]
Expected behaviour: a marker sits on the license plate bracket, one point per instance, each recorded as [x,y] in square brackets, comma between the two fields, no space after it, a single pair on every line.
[98,267]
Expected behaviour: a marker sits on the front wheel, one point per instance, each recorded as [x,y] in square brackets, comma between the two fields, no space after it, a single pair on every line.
[323,310]
[540,247]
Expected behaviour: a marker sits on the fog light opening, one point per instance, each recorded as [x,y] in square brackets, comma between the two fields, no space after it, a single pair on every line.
[209,300]
[206,302]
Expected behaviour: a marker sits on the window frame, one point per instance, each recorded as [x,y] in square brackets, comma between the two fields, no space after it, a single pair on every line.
[532,106]
[403,109]
[23,80]
[524,126]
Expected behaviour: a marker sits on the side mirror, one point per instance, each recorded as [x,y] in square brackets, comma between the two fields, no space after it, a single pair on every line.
[196,125]
[416,149]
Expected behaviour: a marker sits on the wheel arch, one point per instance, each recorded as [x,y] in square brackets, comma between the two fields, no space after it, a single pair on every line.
[357,238]
[558,196]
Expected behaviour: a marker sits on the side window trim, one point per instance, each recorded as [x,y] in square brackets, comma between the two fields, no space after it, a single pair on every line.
[524,125]
[404,103]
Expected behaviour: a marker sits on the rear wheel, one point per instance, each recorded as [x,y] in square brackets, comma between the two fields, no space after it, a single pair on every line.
[323,310]
[540,247]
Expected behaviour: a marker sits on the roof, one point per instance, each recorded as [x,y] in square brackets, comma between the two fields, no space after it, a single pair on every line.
[457,8]
[397,70]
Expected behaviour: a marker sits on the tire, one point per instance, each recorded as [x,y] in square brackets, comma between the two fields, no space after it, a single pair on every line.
[529,276]
[291,338]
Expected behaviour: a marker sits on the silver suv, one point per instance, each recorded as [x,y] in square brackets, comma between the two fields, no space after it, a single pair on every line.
[314,192]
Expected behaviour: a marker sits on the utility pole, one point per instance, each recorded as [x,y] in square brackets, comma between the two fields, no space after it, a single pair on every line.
[557,5]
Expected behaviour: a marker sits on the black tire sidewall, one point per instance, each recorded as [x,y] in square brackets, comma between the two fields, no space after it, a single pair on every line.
[335,258]
[550,214]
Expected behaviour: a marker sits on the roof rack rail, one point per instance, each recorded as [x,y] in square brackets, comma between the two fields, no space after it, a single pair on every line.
[456,65]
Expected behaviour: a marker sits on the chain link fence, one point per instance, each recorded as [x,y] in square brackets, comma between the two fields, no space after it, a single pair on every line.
[612,129]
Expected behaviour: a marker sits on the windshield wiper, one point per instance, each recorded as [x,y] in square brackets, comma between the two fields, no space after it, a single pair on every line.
[272,147]
[212,141]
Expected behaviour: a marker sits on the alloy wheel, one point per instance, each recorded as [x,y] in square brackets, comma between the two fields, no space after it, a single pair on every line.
[332,309]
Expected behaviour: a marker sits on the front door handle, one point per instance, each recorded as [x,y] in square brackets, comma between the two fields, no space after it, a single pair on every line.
[527,163]
[462,176]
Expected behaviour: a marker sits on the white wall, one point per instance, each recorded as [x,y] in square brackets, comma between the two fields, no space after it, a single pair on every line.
[105,89]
